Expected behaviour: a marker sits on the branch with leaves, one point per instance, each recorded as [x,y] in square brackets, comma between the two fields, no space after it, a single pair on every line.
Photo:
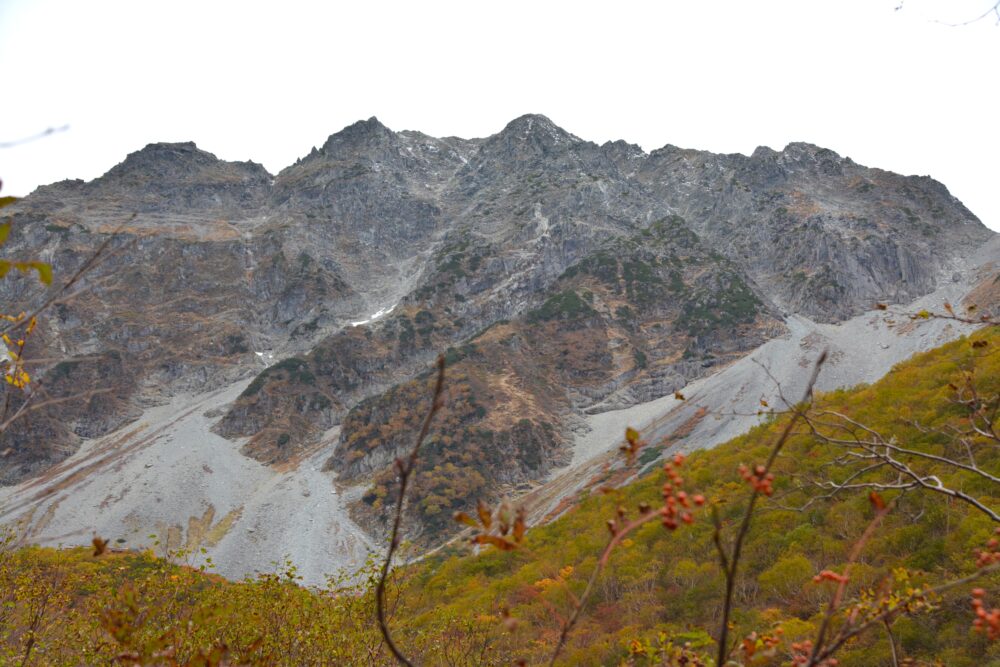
[676,510]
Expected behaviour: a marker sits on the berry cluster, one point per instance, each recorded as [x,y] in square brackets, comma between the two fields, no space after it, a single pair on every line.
[991,554]
[676,503]
[759,479]
[986,621]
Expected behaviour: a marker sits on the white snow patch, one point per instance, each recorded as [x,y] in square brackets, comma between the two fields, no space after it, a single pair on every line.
[382,312]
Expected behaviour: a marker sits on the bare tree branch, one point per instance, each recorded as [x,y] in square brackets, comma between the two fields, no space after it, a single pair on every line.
[96,259]
[35,137]
[850,630]
[730,562]
[616,538]
[405,469]
[834,605]
[885,452]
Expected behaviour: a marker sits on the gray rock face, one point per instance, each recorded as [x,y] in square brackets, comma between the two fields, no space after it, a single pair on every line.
[822,235]
[219,269]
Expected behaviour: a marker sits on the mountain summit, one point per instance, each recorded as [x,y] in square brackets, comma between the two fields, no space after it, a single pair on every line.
[257,337]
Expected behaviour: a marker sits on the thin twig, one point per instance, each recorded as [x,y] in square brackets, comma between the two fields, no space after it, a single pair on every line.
[405,469]
[35,137]
[892,643]
[732,561]
[995,10]
[92,262]
[842,585]
[578,605]
[25,408]
[888,614]
[881,449]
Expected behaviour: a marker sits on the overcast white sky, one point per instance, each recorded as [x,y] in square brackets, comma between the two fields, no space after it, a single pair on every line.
[266,81]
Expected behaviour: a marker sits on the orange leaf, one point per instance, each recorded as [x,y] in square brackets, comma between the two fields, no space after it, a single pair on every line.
[100,546]
[498,542]
[519,525]
[876,501]
[485,515]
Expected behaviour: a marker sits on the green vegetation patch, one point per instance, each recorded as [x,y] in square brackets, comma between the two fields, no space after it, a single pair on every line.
[566,305]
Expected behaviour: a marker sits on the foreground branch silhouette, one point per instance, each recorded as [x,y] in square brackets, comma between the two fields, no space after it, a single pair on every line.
[616,539]
[761,484]
[405,467]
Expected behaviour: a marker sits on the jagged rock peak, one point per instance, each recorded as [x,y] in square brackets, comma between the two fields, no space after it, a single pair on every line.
[796,150]
[812,151]
[536,127]
[180,159]
[764,153]
[528,138]
[363,131]
[623,150]
[183,151]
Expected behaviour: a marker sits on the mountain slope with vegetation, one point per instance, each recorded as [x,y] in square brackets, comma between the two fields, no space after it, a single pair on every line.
[661,586]
[295,314]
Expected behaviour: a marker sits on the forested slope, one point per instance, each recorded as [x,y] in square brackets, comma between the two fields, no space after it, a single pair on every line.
[496,607]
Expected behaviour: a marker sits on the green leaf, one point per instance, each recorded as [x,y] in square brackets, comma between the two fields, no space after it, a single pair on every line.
[44,270]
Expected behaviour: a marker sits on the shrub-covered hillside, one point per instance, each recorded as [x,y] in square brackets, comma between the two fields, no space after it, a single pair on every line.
[660,586]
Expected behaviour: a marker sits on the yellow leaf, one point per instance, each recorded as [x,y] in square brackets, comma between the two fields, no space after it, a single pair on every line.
[44,270]
[462,517]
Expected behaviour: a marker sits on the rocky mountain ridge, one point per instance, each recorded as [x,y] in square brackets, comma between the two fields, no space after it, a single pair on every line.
[563,279]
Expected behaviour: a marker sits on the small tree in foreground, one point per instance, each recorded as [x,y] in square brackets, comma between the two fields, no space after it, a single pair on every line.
[882,466]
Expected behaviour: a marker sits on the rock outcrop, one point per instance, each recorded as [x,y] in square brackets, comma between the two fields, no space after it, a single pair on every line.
[560,277]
